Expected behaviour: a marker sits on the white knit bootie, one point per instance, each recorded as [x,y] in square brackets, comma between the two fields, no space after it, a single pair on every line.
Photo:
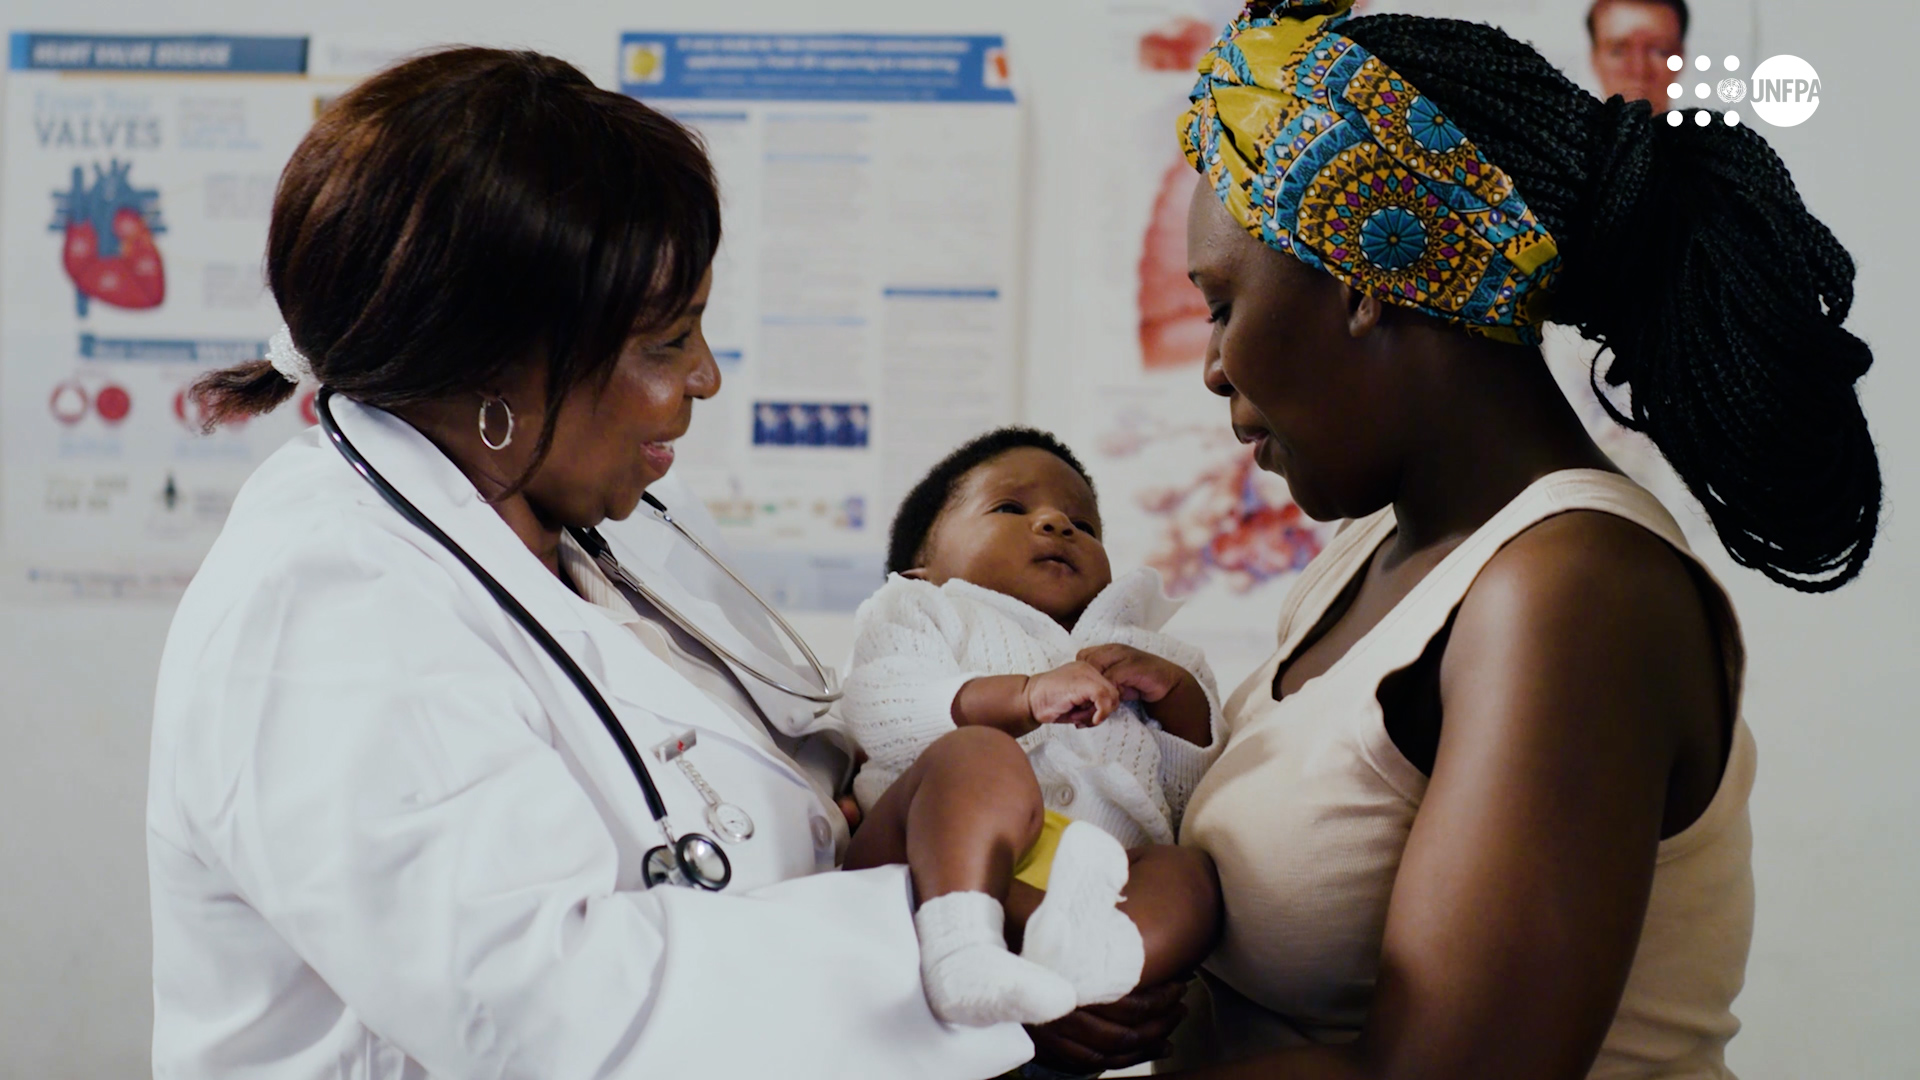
[971,978]
[1077,931]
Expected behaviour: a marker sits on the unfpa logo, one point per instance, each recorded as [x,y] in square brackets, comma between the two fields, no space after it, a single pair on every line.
[1784,91]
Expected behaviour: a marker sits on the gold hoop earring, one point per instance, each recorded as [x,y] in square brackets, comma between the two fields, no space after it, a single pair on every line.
[505,440]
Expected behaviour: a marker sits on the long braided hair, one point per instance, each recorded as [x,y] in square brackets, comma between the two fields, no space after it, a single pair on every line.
[1689,255]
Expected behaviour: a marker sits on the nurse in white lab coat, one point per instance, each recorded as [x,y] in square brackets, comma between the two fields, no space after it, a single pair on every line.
[387,837]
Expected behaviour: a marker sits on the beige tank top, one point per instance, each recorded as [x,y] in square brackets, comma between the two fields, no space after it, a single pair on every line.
[1308,809]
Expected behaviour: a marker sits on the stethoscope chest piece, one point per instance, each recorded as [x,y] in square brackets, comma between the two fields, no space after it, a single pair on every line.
[693,860]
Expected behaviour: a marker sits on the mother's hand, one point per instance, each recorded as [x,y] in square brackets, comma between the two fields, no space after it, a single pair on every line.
[1101,1037]
[849,809]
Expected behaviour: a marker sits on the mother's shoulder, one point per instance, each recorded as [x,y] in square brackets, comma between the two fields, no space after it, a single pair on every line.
[1592,555]
[1586,590]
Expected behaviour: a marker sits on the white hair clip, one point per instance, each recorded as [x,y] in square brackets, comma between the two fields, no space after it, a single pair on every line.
[286,359]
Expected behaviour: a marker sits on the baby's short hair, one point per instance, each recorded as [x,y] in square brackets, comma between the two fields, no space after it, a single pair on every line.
[922,507]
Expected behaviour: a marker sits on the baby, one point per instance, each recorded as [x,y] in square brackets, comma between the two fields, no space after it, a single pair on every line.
[1000,621]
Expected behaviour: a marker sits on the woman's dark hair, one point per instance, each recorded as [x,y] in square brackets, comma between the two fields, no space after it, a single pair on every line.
[468,211]
[922,507]
[1689,255]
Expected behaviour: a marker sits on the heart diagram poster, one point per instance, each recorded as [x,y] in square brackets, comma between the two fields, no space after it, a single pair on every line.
[138,177]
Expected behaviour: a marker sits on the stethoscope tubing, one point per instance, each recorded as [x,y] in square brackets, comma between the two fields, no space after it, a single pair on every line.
[655,804]
[595,544]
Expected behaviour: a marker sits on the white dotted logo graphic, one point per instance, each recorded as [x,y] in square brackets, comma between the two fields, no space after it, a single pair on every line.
[1728,91]
[1786,90]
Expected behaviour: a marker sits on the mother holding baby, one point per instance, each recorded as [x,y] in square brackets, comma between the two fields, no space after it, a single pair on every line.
[1484,812]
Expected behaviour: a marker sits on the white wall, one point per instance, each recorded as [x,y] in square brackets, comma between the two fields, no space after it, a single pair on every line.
[1834,983]
[1833,988]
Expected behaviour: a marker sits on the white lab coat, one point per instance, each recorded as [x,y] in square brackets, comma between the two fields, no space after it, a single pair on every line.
[388,838]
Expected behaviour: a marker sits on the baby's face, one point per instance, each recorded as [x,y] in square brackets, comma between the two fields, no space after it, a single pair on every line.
[1024,524]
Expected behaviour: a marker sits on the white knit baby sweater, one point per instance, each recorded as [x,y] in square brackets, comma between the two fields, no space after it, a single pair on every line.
[917,644]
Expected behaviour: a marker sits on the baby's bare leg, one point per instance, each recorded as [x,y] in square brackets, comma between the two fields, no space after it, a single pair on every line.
[959,817]
[1173,897]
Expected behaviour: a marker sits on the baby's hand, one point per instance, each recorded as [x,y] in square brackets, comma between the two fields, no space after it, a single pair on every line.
[1074,693]
[1139,676]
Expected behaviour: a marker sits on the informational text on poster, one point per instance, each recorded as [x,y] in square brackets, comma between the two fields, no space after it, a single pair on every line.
[138,177]
[864,295]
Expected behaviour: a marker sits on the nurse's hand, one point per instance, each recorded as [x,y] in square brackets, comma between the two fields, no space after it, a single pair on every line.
[1101,1037]
[849,806]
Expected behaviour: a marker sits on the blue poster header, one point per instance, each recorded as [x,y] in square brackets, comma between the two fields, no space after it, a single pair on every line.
[816,67]
[172,54]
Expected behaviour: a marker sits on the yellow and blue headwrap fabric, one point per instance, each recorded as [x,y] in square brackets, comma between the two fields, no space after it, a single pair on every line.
[1321,150]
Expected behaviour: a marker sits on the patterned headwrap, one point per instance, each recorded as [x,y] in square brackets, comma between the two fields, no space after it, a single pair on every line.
[1322,151]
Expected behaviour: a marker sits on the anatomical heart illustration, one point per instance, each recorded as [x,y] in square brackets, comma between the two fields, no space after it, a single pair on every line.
[108,229]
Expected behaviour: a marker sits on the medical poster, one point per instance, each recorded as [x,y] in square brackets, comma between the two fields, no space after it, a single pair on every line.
[1178,491]
[864,294]
[137,180]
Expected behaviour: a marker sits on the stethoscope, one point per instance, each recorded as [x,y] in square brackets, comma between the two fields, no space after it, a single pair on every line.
[694,859]
[597,548]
